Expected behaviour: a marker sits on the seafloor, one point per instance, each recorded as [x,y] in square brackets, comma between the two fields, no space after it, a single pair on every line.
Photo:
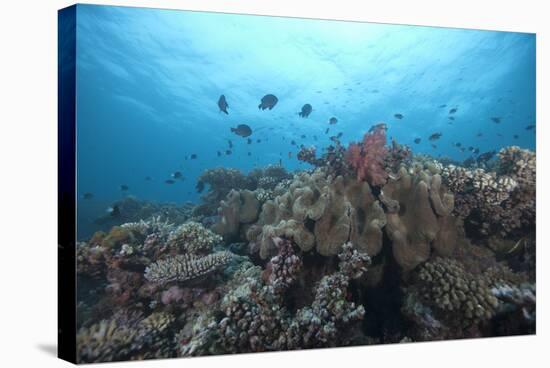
[374,245]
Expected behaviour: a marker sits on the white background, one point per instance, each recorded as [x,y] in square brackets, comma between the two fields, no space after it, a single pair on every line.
[28,182]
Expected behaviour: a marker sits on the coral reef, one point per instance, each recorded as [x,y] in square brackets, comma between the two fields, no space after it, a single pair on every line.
[498,203]
[254,317]
[132,209]
[126,337]
[221,181]
[372,245]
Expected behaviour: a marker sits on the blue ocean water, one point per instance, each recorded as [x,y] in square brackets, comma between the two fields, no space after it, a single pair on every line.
[148,82]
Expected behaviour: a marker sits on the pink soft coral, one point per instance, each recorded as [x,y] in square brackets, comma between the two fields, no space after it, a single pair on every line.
[367,158]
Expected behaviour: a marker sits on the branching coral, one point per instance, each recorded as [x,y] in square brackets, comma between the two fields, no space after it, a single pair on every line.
[255,318]
[284,267]
[367,157]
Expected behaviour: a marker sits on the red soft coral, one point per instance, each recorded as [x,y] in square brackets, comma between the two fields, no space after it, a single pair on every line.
[367,158]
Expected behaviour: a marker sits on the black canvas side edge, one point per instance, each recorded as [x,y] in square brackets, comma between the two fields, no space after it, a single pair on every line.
[66,190]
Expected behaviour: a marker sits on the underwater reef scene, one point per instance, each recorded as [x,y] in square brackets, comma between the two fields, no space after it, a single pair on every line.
[358,189]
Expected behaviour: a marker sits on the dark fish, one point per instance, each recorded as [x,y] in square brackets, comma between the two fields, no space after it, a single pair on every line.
[339,135]
[306,110]
[177,175]
[332,120]
[479,135]
[442,106]
[222,104]
[194,156]
[434,146]
[326,131]
[228,152]
[398,116]
[417,140]
[249,154]
[303,136]
[314,137]
[88,195]
[292,142]
[219,154]
[243,130]
[451,117]
[147,178]
[496,119]
[516,136]
[375,91]
[470,148]
[268,102]
[169,181]
[476,151]
[530,127]
[258,141]
[435,136]
[249,141]
[124,187]
[458,144]
[453,110]
[230,143]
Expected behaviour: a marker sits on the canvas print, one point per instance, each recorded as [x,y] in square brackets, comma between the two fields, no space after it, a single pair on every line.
[253,183]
